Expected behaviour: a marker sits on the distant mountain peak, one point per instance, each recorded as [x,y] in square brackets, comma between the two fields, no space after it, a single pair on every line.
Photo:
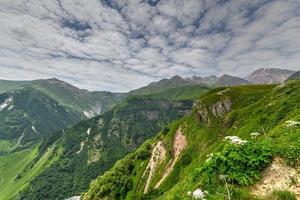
[269,75]
[176,77]
[229,80]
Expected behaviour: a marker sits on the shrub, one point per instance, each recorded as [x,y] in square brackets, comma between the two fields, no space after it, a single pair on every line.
[284,195]
[291,155]
[165,130]
[240,164]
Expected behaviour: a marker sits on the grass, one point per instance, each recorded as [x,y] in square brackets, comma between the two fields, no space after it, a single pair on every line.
[284,195]
[18,168]
[6,145]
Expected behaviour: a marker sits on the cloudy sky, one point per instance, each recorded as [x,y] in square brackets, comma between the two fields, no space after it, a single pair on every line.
[119,45]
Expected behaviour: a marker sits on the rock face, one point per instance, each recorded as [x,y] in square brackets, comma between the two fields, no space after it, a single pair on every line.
[221,107]
[201,113]
[269,76]
[218,110]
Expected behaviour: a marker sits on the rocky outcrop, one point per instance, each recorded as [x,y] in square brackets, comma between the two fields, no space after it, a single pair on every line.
[158,155]
[201,113]
[218,110]
[221,107]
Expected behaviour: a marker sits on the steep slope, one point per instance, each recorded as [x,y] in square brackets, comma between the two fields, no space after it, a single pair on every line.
[217,152]
[27,115]
[32,112]
[269,75]
[93,146]
[107,100]
[17,169]
[83,102]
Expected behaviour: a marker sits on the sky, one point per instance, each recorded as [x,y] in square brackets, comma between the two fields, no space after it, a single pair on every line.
[119,45]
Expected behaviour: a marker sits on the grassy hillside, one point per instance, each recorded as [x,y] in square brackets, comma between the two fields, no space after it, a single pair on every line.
[164,85]
[181,92]
[32,112]
[193,155]
[69,96]
[19,168]
[27,115]
[93,146]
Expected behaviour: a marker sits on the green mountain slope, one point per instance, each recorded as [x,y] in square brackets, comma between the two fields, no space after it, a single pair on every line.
[194,158]
[163,85]
[69,96]
[93,146]
[32,112]
[27,115]
[181,93]
[19,168]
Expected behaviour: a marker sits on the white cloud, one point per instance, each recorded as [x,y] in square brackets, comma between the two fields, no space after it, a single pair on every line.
[125,44]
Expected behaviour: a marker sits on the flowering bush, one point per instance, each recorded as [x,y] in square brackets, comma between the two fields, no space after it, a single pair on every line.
[241,164]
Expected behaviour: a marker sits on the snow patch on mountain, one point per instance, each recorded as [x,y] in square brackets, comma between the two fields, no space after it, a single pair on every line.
[88,131]
[6,103]
[74,198]
[34,129]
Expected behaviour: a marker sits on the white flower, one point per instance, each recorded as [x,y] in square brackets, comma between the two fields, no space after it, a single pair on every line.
[209,157]
[199,194]
[222,177]
[235,140]
[254,134]
[291,123]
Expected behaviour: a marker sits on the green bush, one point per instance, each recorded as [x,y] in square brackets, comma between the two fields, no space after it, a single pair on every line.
[284,195]
[239,164]
[291,155]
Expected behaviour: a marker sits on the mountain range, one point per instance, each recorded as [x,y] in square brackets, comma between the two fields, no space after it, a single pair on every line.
[56,138]
[260,76]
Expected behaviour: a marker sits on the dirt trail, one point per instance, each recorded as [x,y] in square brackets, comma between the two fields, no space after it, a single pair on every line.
[278,176]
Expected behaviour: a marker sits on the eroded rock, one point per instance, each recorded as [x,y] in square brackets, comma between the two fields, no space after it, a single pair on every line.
[158,155]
